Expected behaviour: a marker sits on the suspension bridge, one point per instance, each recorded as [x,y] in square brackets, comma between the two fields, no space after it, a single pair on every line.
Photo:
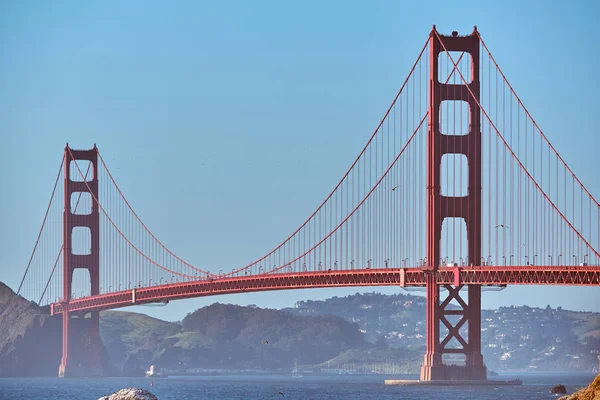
[457,188]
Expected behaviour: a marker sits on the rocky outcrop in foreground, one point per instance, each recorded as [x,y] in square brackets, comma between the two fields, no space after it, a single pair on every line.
[130,394]
[592,392]
[559,389]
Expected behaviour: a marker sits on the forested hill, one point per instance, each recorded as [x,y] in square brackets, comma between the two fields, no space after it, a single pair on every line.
[354,331]
[224,336]
[513,338]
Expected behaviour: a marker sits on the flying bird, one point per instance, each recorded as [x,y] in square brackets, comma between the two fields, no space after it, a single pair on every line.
[502,226]
[281,393]
[264,342]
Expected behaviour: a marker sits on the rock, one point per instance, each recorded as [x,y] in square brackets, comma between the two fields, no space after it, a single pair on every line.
[592,392]
[559,389]
[130,394]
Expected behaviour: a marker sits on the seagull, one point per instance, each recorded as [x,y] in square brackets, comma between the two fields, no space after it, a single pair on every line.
[264,342]
[502,226]
[395,187]
[281,393]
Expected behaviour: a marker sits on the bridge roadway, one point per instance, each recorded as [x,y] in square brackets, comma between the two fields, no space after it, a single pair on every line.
[403,277]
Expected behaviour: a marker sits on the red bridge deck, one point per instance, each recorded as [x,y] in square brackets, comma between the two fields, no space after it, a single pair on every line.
[517,275]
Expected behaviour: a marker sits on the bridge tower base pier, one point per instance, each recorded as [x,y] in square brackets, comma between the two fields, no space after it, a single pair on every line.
[433,367]
[81,344]
[440,207]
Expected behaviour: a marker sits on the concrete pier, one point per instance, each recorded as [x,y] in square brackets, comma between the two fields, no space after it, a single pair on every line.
[415,382]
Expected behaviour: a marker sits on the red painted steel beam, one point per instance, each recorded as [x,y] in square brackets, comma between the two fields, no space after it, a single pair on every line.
[517,275]
[72,261]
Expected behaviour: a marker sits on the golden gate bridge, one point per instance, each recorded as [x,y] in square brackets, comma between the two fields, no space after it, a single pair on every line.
[457,188]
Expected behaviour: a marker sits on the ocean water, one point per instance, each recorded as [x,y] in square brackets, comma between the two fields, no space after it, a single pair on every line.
[267,387]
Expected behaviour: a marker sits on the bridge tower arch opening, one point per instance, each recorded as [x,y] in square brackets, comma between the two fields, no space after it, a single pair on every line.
[81,344]
[441,206]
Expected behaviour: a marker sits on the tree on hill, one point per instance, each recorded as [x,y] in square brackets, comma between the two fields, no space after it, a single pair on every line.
[381,343]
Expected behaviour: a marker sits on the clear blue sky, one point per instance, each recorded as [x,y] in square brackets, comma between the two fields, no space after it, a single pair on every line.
[216,117]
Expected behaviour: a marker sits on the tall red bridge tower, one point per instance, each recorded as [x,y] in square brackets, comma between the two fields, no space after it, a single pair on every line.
[86,361]
[440,207]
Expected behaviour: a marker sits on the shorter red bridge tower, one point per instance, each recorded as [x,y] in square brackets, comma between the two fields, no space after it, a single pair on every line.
[85,338]
[440,207]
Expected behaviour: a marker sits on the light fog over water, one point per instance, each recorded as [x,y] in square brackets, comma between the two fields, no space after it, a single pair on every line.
[535,387]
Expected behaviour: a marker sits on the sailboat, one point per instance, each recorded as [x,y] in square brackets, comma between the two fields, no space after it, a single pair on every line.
[152,373]
[295,372]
